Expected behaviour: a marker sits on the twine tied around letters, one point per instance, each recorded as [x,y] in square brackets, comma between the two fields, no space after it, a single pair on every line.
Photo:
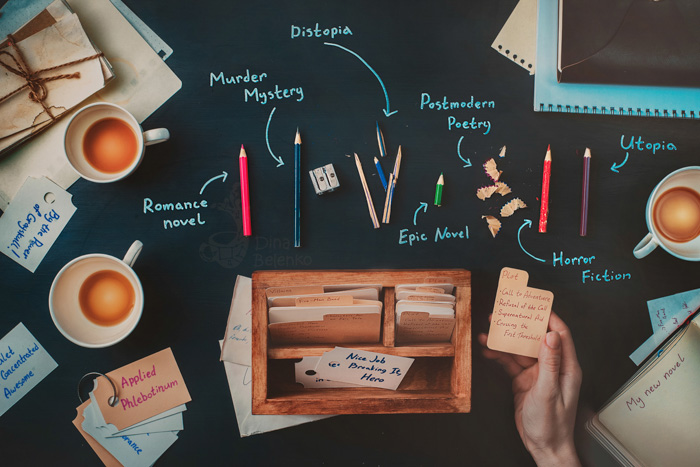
[36,83]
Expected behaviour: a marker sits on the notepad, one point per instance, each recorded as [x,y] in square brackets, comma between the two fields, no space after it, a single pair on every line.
[653,418]
[600,99]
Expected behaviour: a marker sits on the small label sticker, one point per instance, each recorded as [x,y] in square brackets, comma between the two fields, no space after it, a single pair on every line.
[34,220]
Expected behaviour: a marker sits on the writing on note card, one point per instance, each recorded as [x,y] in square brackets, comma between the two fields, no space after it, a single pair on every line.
[520,315]
[23,364]
[34,220]
[363,368]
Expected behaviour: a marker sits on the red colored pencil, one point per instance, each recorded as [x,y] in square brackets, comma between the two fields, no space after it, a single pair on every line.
[544,201]
[584,192]
[245,196]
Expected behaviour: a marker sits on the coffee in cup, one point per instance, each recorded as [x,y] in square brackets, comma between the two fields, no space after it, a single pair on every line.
[104,143]
[673,216]
[96,300]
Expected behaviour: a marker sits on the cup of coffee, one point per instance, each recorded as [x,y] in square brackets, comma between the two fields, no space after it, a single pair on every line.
[96,300]
[673,216]
[104,142]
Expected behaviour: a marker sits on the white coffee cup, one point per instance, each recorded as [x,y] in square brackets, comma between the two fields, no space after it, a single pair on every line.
[81,121]
[64,303]
[688,177]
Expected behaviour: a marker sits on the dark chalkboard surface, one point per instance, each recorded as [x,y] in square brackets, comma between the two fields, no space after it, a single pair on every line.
[376,58]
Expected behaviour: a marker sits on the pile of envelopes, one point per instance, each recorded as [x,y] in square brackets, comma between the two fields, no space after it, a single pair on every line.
[424,312]
[325,314]
[147,416]
[51,41]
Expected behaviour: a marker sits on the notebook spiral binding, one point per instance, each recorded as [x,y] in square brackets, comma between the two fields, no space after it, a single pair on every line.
[639,112]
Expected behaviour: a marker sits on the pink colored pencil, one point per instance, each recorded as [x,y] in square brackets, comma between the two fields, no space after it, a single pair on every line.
[245,196]
[544,201]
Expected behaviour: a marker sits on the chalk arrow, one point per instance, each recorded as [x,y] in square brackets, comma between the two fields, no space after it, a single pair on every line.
[223,175]
[615,166]
[527,223]
[467,162]
[424,207]
[267,139]
[387,110]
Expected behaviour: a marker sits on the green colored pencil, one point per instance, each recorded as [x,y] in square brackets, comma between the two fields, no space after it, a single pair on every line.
[438,190]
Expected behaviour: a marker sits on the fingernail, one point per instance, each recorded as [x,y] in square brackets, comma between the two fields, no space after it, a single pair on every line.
[552,339]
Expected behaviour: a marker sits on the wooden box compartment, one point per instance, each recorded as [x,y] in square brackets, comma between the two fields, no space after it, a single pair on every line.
[439,381]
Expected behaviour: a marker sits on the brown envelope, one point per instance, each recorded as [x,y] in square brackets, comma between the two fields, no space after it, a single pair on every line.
[146,388]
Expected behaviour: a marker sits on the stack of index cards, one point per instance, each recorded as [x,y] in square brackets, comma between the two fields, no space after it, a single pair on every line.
[425,312]
[146,418]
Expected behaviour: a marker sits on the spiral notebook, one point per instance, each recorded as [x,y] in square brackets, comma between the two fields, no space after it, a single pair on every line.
[600,99]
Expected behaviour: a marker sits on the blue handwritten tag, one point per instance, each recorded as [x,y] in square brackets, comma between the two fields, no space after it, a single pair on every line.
[23,364]
[34,220]
[673,310]
[363,368]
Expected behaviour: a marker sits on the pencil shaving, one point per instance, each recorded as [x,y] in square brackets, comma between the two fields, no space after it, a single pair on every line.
[503,152]
[510,207]
[486,191]
[491,170]
[493,224]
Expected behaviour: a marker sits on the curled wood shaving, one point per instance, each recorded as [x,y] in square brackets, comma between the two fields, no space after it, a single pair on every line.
[493,224]
[510,207]
[491,170]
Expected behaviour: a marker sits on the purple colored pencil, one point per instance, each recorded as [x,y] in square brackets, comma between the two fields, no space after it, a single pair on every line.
[584,191]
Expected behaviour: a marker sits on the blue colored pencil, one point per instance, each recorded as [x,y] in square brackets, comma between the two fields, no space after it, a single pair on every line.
[380,142]
[380,172]
[297,190]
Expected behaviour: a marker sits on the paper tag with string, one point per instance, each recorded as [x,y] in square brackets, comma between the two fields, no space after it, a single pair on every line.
[35,218]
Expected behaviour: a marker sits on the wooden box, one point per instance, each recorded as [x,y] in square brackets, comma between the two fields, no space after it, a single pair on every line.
[439,381]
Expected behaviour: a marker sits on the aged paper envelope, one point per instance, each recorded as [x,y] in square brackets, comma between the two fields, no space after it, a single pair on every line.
[143,83]
[146,388]
[62,42]
[520,315]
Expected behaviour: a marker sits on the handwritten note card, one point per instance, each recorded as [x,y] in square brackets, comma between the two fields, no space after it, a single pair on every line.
[520,315]
[23,364]
[363,368]
[147,387]
[34,220]
[673,310]
[237,343]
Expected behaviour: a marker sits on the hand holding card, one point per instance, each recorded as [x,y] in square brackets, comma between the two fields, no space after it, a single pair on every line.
[520,315]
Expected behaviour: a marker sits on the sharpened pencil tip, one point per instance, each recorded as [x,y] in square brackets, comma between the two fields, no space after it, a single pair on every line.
[587,153]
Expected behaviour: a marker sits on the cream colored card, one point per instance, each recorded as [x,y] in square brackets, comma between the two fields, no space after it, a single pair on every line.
[517,39]
[305,373]
[419,327]
[142,84]
[146,388]
[520,315]
[324,300]
[293,291]
[363,368]
[446,287]
[424,296]
[332,329]
[656,417]
[291,314]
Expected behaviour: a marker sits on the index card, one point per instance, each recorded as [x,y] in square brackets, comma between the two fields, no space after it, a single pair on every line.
[520,315]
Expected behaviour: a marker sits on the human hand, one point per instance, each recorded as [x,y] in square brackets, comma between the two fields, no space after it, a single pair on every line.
[546,395]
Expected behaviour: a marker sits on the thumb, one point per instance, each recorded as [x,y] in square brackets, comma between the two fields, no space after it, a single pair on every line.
[549,364]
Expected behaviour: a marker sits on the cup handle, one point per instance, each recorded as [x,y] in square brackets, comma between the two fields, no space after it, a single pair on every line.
[155,136]
[133,253]
[646,246]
